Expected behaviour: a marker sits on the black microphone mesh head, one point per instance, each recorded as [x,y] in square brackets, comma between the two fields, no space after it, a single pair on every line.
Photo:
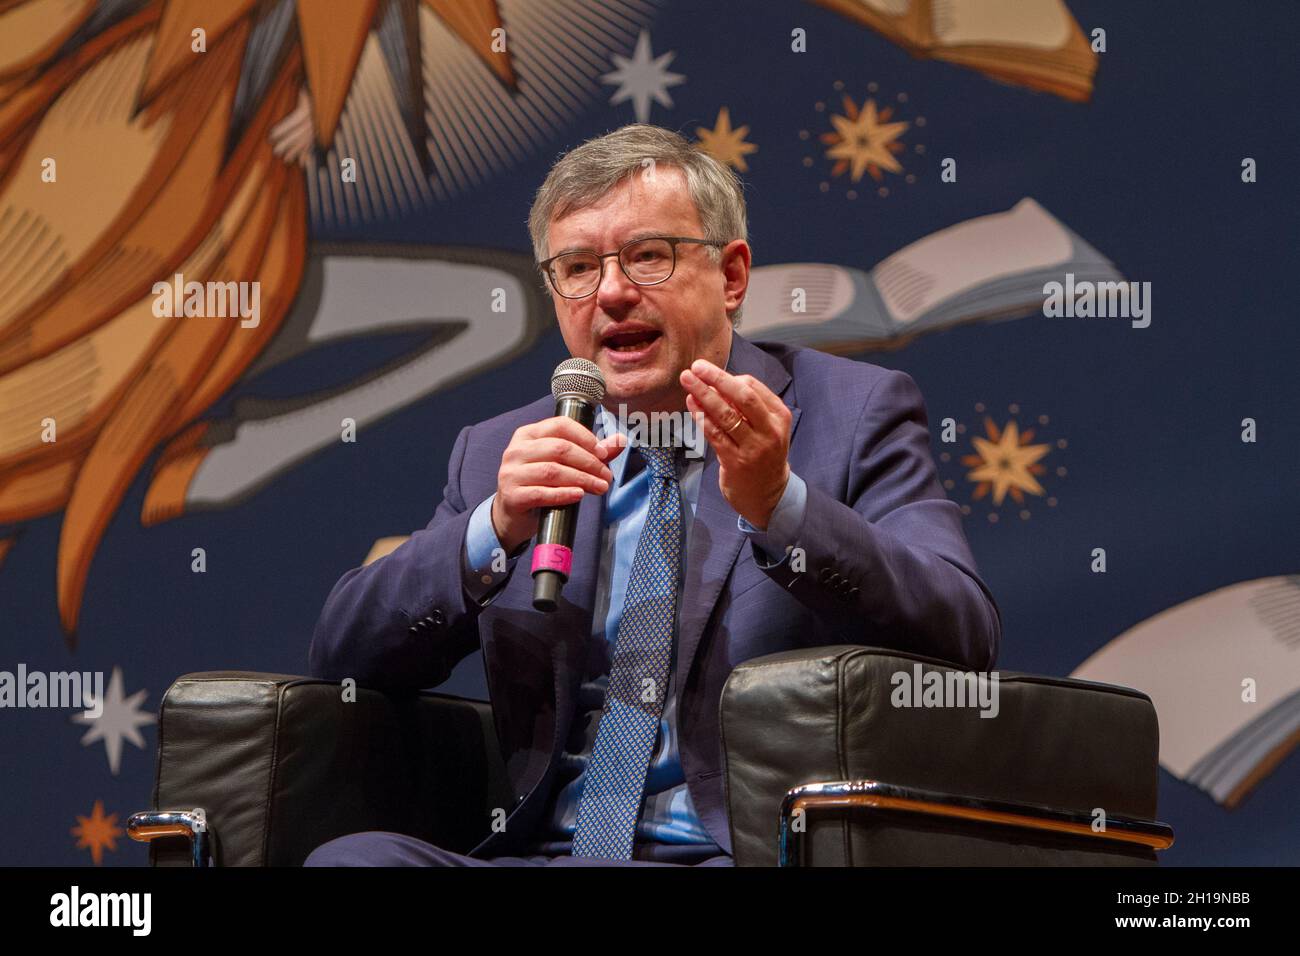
[577,376]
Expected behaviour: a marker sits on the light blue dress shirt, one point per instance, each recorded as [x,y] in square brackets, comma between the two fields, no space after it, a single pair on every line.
[667,815]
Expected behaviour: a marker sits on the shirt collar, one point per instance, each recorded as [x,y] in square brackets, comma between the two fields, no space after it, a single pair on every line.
[625,466]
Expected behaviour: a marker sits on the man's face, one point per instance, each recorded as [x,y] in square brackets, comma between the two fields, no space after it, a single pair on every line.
[642,337]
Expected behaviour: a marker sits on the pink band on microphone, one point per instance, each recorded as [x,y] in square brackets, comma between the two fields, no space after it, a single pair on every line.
[552,557]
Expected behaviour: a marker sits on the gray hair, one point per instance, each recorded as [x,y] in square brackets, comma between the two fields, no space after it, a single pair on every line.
[582,176]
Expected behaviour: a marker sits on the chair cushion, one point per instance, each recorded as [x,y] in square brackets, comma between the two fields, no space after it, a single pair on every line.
[826,714]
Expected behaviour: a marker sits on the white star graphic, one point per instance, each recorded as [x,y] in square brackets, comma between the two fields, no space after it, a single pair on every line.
[121,719]
[642,77]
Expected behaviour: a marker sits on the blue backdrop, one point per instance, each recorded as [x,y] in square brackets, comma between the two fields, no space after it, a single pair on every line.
[1148,172]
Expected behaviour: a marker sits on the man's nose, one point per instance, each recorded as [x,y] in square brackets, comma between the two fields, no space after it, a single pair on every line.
[616,291]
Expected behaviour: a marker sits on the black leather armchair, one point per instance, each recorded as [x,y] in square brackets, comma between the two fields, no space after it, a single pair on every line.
[822,768]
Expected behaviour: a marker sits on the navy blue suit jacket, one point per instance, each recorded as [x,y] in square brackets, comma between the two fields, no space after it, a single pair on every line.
[887,565]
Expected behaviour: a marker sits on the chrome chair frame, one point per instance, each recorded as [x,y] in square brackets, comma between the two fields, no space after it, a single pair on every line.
[148,825]
[879,796]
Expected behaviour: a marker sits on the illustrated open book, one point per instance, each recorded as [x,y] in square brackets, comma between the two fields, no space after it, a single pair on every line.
[1192,659]
[990,267]
[1033,43]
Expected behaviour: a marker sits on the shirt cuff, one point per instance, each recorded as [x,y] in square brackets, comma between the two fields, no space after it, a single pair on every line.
[486,565]
[783,527]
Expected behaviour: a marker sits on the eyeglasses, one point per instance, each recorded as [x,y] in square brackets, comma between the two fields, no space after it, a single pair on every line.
[647,261]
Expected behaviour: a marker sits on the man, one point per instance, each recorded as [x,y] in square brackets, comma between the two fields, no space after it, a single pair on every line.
[813,517]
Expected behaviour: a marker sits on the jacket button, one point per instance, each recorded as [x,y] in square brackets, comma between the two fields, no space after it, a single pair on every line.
[437,617]
[413,630]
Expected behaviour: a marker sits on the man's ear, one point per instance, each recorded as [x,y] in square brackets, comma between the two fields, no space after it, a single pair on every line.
[736,258]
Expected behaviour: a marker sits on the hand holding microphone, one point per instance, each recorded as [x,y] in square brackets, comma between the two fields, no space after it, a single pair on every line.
[545,471]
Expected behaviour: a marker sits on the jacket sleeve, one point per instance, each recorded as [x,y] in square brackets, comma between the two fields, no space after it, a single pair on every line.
[890,565]
[404,621]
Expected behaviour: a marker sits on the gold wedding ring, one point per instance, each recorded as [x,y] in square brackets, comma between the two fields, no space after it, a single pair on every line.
[739,419]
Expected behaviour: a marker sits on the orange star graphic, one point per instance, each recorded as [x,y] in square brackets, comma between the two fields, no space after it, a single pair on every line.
[865,141]
[725,144]
[1006,464]
[97,832]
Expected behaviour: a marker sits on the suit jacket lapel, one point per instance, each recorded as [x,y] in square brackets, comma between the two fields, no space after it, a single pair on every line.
[716,538]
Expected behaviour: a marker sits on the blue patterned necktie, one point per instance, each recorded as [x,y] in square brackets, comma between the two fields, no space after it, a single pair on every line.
[638,675]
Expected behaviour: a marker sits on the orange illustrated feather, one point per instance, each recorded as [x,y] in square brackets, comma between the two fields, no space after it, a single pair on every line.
[139,141]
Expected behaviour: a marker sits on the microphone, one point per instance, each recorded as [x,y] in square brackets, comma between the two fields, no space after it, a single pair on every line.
[578,388]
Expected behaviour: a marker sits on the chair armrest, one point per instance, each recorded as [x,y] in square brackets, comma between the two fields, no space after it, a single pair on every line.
[282,764]
[828,714]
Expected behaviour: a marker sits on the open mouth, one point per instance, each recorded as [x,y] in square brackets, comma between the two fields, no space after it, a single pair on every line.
[630,341]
